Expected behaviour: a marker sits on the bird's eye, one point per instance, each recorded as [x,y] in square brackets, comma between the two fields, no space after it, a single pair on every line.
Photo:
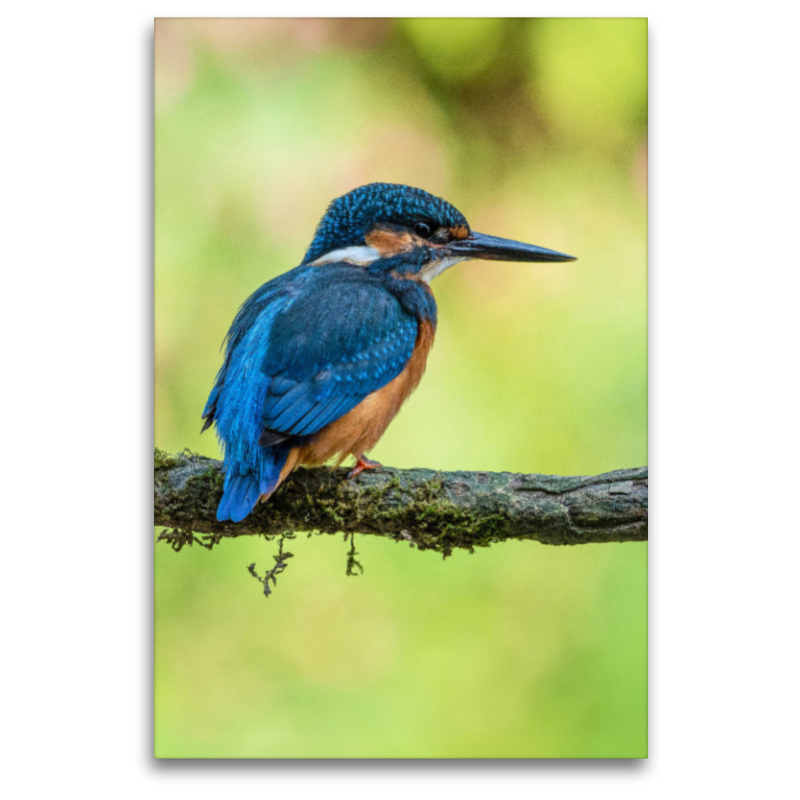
[422,229]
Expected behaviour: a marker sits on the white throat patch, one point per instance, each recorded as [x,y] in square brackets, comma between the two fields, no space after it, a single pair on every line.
[435,269]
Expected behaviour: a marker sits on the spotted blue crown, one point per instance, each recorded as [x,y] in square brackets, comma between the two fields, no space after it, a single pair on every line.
[350,217]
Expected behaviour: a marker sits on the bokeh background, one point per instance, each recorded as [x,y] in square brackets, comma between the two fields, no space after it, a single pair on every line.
[536,130]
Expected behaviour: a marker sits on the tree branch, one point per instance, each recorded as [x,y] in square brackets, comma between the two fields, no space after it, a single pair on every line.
[432,510]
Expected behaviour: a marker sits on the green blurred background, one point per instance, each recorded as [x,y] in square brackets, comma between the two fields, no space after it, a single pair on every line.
[536,130]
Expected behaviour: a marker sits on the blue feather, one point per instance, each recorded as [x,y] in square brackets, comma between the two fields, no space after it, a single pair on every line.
[239,498]
[242,490]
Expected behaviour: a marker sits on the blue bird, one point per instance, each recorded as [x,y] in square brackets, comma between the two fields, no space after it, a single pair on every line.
[319,360]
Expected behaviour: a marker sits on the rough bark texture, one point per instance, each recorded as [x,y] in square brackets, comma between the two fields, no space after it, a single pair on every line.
[433,510]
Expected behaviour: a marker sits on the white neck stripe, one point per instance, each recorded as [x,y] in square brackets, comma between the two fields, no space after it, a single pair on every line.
[361,255]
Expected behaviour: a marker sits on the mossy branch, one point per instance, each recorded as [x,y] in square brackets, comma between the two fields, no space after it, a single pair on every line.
[432,510]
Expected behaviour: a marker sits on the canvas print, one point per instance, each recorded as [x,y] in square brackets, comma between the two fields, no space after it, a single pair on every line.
[401,388]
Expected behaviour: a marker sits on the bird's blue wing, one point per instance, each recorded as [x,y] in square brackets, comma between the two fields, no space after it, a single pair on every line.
[335,344]
[303,350]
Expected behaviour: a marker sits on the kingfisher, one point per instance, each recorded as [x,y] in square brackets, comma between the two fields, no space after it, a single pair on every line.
[319,360]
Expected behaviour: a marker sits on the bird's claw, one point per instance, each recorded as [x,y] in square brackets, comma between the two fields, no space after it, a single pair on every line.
[362,464]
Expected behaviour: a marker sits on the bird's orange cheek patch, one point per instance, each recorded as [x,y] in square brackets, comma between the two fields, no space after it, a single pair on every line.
[391,243]
[459,232]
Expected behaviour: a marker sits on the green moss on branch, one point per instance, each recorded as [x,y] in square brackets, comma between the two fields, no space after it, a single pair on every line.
[433,510]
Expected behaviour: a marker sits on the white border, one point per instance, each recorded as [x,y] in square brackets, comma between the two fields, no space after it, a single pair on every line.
[77,424]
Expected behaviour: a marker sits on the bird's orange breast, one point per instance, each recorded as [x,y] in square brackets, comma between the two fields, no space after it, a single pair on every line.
[358,431]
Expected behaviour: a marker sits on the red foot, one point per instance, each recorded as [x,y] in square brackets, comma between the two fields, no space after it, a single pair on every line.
[362,464]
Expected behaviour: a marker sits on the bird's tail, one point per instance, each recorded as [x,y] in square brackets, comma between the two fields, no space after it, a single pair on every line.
[244,488]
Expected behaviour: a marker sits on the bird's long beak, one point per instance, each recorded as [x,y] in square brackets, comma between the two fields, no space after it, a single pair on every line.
[481,245]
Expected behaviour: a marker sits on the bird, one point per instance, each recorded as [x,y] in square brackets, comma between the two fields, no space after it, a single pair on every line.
[319,360]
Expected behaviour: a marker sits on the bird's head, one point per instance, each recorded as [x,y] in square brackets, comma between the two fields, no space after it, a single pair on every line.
[410,231]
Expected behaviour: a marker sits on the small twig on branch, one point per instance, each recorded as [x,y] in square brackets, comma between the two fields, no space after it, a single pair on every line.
[431,510]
